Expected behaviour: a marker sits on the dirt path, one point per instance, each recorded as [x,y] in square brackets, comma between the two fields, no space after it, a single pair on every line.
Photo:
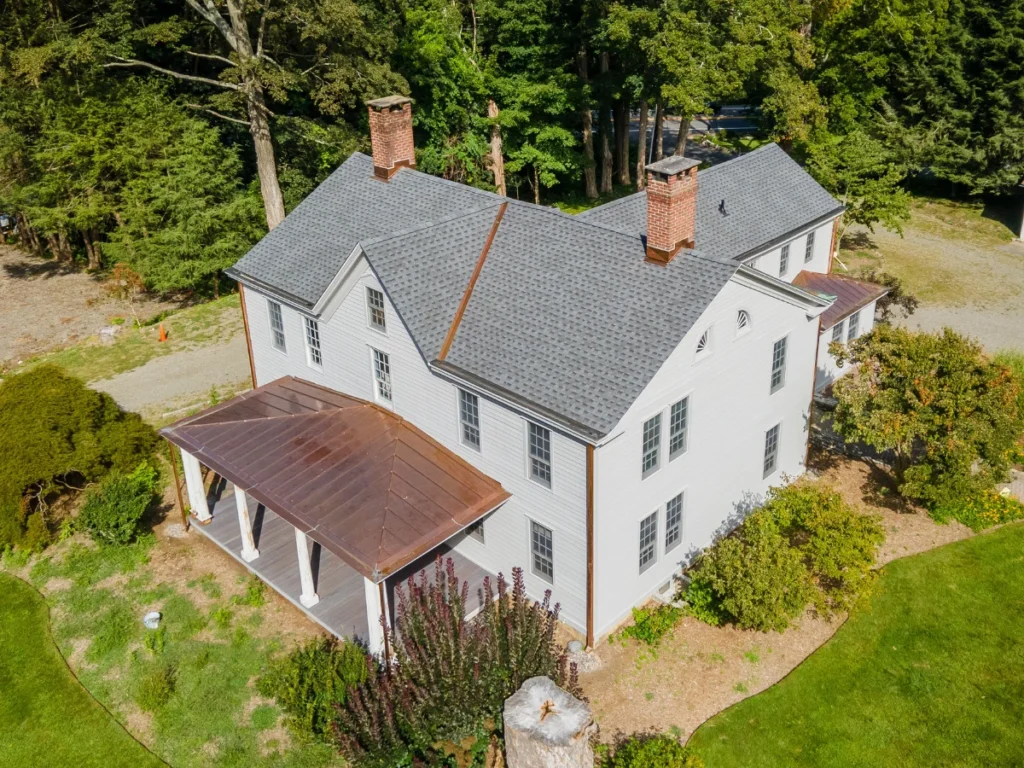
[181,379]
[45,306]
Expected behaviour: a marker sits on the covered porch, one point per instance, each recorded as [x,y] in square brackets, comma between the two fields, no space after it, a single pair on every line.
[331,500]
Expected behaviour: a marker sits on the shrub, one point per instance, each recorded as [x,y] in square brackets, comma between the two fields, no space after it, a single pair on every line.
[113,510]
[651,751]
[312,680]
[949,415]
[652,623]
[838,544]
[55,434]
[156,688]
[981,511]
[759,580]
[443,697]
[255,595]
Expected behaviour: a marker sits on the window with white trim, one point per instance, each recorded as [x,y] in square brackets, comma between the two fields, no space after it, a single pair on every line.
[476,531]
[276,325]
[742,322]
[704,342]
[648,541]
[540,454]
[784,260]
[779,365]
[375,309]
[771,450]
[673,522]
[837,331]
[314,355]
[809,248]
[542,546]
[853,326]
[469,418]
[677,419]
[651,445]
[382,375]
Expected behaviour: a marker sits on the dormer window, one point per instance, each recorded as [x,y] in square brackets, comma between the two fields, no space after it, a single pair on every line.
[704,343]
[742,322]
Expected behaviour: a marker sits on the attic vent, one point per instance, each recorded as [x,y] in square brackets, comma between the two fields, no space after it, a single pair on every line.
[704,342]
[742,320]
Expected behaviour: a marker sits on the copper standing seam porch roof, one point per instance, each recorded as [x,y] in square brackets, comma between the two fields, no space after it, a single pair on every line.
[362,482]
[850,294]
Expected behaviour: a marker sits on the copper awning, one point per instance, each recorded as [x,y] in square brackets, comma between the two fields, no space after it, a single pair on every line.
[362,482]
[850,295]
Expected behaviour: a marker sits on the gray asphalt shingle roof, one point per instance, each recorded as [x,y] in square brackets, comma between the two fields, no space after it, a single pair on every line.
[566,317]
[767,196]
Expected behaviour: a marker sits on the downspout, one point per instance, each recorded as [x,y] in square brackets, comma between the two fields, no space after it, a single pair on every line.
[177,485]
[248,336]
[814,383]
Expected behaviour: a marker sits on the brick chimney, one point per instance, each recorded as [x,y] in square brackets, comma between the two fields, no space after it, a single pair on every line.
[671,207]
[391,135]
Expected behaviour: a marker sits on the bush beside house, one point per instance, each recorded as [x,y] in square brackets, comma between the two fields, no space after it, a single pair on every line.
[804,545]
[57,435]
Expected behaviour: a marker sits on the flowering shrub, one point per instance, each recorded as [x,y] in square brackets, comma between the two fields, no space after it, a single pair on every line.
[981,511]
[441,700]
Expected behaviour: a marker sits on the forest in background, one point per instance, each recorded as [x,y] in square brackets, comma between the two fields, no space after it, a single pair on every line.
[169,135]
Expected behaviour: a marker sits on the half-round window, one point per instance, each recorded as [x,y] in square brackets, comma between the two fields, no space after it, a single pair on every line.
[742,321]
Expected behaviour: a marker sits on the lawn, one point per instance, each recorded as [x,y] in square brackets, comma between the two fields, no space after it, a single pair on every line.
[46,717]
[930,673]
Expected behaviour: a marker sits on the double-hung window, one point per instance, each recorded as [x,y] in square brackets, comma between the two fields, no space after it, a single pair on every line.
[677,419]
[314,355]
[779,365]
[853,326]
[651,445]
[771,450]
[648,541]
[382,375]
[469,417]
[540,454]
[542,546]
[809,248]
[375,309]
[837,331]
[784,260]
[276,325]
[673,522]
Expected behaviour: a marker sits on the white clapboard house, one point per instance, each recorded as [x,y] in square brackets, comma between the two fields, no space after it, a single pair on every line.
[440,370]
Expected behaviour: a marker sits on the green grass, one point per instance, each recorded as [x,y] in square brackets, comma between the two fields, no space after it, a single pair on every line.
[46,717]
[575,201]
[930,674]
[210,717]
[132,347]
[738,143]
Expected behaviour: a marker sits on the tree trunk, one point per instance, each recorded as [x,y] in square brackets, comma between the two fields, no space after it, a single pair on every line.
[589,168]
[259,123]
[684,132]
[64,247]
[622,140]
[92,248]
[641,146]
[53,246]
[536,186]
[607,181]
[659,131]
[497,161]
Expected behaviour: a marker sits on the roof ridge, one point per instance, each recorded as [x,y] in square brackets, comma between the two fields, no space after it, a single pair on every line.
[574,218]
[430,224]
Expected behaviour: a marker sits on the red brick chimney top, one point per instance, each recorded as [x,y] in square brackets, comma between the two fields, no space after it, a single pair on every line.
[391,135]
[671,207]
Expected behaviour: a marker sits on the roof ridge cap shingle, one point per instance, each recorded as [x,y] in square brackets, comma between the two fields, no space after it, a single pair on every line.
[575,219]
[364,244]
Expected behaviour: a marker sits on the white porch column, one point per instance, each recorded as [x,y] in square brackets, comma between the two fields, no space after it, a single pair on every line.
[249,551]
[375,639]
[309,597]
[196,490]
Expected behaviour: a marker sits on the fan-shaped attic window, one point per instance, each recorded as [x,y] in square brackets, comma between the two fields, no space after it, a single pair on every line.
[704,343]
[742,321]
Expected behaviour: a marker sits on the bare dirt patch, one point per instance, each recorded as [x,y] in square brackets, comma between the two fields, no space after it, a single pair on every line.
[140,725]
[46,306]
[699,670]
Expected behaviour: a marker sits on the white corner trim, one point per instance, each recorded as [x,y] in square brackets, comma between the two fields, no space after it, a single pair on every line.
[340,285]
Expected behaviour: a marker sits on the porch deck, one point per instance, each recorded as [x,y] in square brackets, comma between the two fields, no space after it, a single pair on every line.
[342,607]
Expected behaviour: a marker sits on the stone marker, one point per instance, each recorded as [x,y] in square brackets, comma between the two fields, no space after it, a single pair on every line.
[545,727]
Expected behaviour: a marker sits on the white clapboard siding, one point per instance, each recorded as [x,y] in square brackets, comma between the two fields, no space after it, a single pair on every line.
[431,403]
[769,261]
[828,369]
[730,408]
